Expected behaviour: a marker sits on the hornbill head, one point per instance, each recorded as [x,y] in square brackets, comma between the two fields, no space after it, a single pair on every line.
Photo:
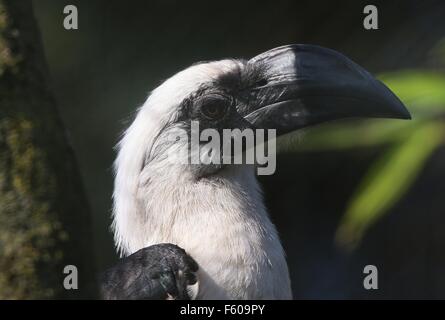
[286,88]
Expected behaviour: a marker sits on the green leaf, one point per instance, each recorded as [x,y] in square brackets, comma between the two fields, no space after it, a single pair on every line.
[423,92]
[387,181]
[342,135]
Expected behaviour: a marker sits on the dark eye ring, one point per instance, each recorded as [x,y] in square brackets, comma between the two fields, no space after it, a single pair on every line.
[215,107]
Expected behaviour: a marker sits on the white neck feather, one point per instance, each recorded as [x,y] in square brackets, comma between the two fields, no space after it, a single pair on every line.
[220,222]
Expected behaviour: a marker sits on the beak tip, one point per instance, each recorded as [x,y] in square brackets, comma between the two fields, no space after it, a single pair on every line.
[402,112]
[391,103]
[407,116]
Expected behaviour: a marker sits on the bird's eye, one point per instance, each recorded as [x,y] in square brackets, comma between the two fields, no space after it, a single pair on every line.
[214,107]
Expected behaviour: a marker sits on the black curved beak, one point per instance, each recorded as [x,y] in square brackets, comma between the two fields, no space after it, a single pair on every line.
[302,85]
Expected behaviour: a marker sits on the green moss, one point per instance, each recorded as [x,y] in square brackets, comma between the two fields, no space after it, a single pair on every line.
[30,232]
[44,216]
[8,60]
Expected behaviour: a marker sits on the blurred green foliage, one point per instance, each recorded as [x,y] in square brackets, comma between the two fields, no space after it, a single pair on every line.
[407,146]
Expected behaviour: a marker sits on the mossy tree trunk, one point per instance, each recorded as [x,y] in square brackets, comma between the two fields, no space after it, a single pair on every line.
[44,216]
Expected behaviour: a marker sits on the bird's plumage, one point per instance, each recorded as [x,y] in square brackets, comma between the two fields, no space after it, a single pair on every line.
[216,212]
[220,220]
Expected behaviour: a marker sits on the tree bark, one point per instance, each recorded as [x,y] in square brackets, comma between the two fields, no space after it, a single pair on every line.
[44,215]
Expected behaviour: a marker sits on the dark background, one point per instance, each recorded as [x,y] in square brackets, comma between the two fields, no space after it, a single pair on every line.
[123,49]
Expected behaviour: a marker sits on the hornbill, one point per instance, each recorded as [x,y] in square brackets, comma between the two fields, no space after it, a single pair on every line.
[202,231]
